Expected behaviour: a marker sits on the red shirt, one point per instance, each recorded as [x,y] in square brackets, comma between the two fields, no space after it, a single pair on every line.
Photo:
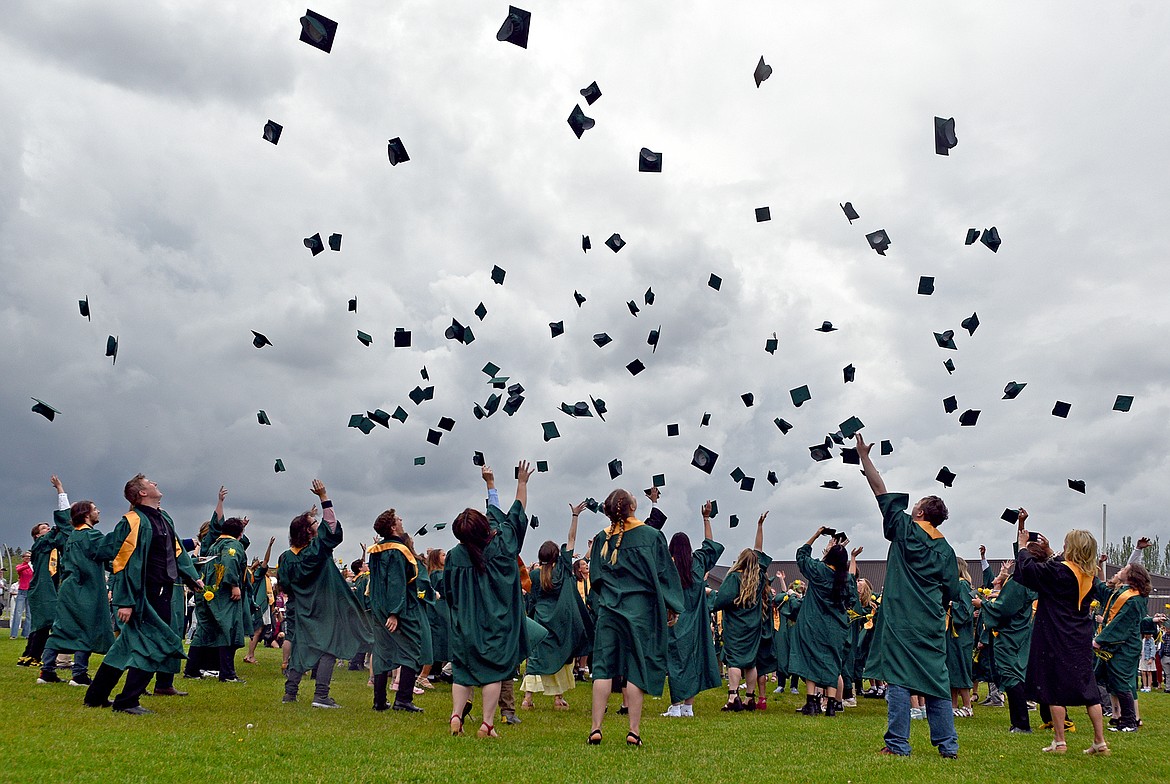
[25,571]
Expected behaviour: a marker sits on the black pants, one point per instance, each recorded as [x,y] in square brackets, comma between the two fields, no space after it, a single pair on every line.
[227,662]
[1045,713]
[199,658]
[1128,716]
[158,596]
[1018,706]
[406,679]
[35,645]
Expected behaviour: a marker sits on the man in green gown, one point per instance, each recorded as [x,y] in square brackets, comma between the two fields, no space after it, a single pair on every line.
[228,616]
[909,646]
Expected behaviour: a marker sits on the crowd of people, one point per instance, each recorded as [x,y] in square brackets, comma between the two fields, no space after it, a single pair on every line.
[634,614]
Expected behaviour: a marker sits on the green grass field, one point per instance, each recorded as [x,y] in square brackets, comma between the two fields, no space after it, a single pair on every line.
[204,737]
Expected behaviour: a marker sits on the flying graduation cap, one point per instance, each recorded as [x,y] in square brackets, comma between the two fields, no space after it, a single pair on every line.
[260,341]
[762,72]
[272,132]
[714,281]
[364,338]
[990,238]
[946,339]
[586,245]
[944,135]
[580,123]
[514,30]
[1123,403]
[278,467]
[314,244]
[591,93]
[318,31]
[945,476]
[262,417]
[971,323]
[44,409]
[352,307]
[335,241]
[972,237]
[925,285]
[1077,484]
[878,240]
[1013,389]
[112,348]
[649,161]
[850,213]
[83,306]
[615,242]
[396,151]
[615,468]
[704,459]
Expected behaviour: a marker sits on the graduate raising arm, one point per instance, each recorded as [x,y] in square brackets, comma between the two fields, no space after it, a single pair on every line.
[876,483]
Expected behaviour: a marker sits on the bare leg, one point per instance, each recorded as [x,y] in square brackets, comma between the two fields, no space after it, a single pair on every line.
[601,692]
[733,677]
[1058,715]
[460,696]
[1094,716]
[490,693]
[965,694]
[251,656]
[634,697]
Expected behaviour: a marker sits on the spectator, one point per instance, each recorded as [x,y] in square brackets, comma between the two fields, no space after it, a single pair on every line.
[20,617]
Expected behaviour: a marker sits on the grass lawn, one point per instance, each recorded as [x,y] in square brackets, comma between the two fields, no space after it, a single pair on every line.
[204,737]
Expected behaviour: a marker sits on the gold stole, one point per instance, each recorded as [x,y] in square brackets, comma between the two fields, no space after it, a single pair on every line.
[384,546]
[930,530]
[1116,601]
[129,543]
[1084,581]
[630,524]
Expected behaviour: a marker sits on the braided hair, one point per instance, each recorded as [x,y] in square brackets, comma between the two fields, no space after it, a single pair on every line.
[618,507]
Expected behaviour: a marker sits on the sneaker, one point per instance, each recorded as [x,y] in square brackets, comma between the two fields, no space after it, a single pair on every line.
[830,708]
[849,703]
[137,710]
[778,690]
[949,754]
[49,677]
[1045,726]
[673,712]
[1069,726]
[324,702]
[995,703]
[24,661]
[80,680]
[511,718]
[409,707]
[1020,731]
[289,698]
[795,690]
[232,680]
[687,711]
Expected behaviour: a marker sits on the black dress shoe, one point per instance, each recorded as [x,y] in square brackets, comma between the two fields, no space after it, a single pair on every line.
[136,710]
[102,704]
[381,706]
[169,691]
[409,707]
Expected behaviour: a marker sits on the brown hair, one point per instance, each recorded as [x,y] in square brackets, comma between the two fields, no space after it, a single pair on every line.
[618,507]
[964,572]
[36,527]
[747,565]
[133,488]
[384,525]
[300,530]
[934,511]
[472,530]
[79,511]
[548,560]
[434,560]
[233,527]
[1138,579]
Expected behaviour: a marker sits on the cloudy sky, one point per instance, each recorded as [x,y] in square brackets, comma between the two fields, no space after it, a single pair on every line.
[135,174]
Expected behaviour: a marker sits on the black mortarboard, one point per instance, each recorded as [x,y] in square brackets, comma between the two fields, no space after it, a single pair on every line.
[318,31]
[262,417]
[599,404]
[477,458]
[278,466]
[649,161]
[1012,389]
[944,135]
[633,306]
[635,367]
[580,123]
[400,414]
[849,372]
[832,484]
[950,366]
[704,459]
[820,452]
[972,236]
[652,339]
[800,395]
[83,306]
[260,341]
[418,395]
[364,338]
[826,326]
[591,93]
[272,132]
[747,484]
[748,398]
[550,431]
[534,522]
[601,339]
[615,468]
[556,328]
[1061,409]
[334,241]
[733,521]
[771,344]
[658,480]
[737,474]
[950,404]
[314,244]
[1010,516]
[706,420]
[945,476]
[1123,403]
[498,275]
[714,281]
[446,423]
[425,375]
[112,348]
[836,438]
[714,509]
[44,409]
[615,242]
[1077,484]
[401,338]
[850,456]
[490,370]
[773,479]
[763,214]
[433,436]
[672,430]
[480,311]
[581,409]
[990,238]
[592,505]
[513,403]
[456,331]
[925,285]
[850,213]
[946,339]
[396,151]
[361,422]
[762,72]
[851,427]
[969,417]
[879,241]
[784,425]
[648,297]
[514,30]
[478,412]
[586,245]
[579,297]
[971,323]
[421,532]
[379,416]
[352,307]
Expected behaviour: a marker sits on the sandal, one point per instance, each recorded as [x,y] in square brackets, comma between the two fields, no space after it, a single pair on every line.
[594,738]
[1099,748]
[1056,747]
[456,729]
[560,704]
[632,739]
[526,704]
[249,660]
[491,731]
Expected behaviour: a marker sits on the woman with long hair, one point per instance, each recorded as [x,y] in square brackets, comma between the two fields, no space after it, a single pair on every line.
[636,596]
[438,615]
[961,643]
[481,583]
[741,600]
[692,665]
[822,629]
[1119,643]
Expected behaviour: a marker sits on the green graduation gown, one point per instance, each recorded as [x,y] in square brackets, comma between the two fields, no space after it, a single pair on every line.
[327,615]
[1120,636]
[909,643]
[489,638]
[961,638]
[228,622]
[260,596]
[692,665]
[558,611]
[46,554]
[83,620]
[822,631]
[395,590]
[439,616]
[633,583]
[1009,616]
[789,615]
[146,641]
[743,627]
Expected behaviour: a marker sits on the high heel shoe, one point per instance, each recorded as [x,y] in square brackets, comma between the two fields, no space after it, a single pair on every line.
[632,739]
[594,738]
[456,729]
[491,731]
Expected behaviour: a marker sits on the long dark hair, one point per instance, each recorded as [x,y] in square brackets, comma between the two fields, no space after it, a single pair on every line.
[838,558]
[473,532]
[680,552]
[547,555]
[299,530]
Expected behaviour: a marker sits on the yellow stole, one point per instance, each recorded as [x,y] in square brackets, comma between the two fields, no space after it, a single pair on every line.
[1114,605]
[930,530]
[1084,581]
[384,546]
[630,524]
[129,543]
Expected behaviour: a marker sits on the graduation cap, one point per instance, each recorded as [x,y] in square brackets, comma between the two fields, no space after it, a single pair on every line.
[649,296]
[550,431]
[826,326]
[658,480]
[420,461]
[318,31]
[379,416]
[762,72]
[706,420]
[968,418]
[771,344]
[477,458]
[579,298]
[971,323]
[599,404]
[748,399]
[849,372]
[260,341]
[353,305]
[944,135]
[773,479]
[534,522]
[972,236]
[401,336]
[513,403]
[832,484]
[714,281]
[850,213]
[820,452]
[498,275]
[737,474]
[396,151]
[879,241]
[1123,403]
[514,30]
[1013,389]
[421,532]
[335,241]
[887,448]
[458,332]
[1061,409]
[591,93]
[433,436]
[925,285]
[364,338]
[945,476]
[262,417]
[480,311]
[418,394]
[361,422]
[556,328]
[615,242]
[714,509]
[400,414]
[649,161]
[615,468]
[633,306]
[950,366]
[578,409]
[946,339]
[1077,484]
[851,427]
[800,395]
[492,404]
[490,369]
[950,404]
[272,132]
[850,456]
[586,245]
[314,244]
[671,430]
[704,459]
[733,521]
[836,438]
[747,484]
[44,409]
[580,123]
[1010,516]
[763,214]
[635,367]
[112,348]
[783,425]
[278,467]
[446,423]
[652,339]
[592,505]
[83,306]
[990,238]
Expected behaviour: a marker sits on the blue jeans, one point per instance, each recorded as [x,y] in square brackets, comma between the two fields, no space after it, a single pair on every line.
[80,661]
[939,714]
[19,608]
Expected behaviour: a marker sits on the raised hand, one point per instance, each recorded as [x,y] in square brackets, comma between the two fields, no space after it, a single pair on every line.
[57,484]
[222,493]
[524,471]
[319,490]
[577,509]
[856,551]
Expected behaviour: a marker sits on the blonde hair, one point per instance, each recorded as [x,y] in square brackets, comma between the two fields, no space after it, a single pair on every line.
[964,572]
[1080,548]
[747,565]
[864,592]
